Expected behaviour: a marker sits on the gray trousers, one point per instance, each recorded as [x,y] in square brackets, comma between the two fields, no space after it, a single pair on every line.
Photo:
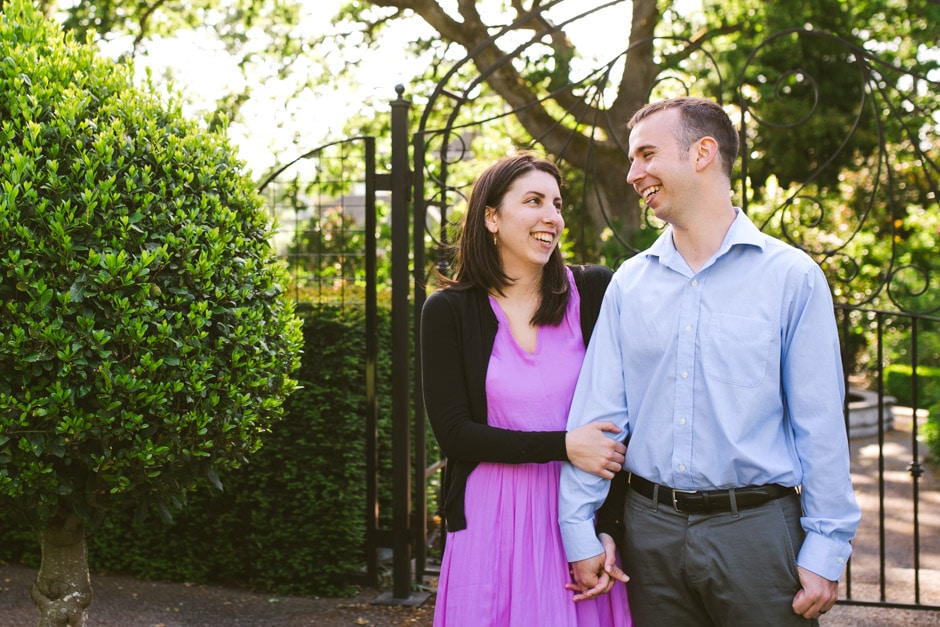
[720,569]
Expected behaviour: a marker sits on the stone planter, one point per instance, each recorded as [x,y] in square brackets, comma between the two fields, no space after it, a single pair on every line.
[863,413]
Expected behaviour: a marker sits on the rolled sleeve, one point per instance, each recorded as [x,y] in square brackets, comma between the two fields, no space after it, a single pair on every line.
[824,556]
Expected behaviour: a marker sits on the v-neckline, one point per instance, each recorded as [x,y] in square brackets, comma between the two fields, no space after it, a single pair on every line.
[503,318]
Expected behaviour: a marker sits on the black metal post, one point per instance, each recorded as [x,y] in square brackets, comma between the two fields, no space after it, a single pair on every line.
[402,535]
[372,401]
[401,415]
[420,516]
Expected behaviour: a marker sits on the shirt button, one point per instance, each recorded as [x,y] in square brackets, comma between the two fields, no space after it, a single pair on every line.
[681,467]
[693,282]
[685,374]
[688,328]
[841,560]
[682,421]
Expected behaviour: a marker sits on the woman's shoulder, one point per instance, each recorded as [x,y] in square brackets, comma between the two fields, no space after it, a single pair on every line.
[592,274]
[452,297]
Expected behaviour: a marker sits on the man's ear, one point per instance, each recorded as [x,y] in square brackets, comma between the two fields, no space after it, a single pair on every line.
[706,152]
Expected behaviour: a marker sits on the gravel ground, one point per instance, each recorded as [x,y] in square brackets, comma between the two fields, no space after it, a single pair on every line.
[127,602]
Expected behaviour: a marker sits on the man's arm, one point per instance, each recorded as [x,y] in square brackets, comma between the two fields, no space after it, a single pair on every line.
[814,391]
[599,396]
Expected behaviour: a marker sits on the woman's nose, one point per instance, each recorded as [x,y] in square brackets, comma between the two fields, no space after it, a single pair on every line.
[553,217]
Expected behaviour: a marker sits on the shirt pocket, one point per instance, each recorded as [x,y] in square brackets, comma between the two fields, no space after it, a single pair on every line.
[737,350]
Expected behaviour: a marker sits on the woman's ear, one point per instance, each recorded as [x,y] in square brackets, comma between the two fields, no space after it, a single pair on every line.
[489,218]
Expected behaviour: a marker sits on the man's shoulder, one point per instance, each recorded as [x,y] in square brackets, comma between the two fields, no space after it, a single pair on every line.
[787,252]
[641,258]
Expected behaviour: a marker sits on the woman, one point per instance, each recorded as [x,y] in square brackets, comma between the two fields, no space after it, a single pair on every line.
[502,344]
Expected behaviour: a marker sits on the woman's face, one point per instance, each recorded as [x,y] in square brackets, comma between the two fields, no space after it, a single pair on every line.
[528,223]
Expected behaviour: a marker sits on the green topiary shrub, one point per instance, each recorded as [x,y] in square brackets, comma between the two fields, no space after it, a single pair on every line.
[899,383]
[145,344]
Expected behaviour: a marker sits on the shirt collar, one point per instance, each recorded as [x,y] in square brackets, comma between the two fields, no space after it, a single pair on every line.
[742,231]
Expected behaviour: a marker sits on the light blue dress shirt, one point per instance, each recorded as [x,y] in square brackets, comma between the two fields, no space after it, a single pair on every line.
[726,377]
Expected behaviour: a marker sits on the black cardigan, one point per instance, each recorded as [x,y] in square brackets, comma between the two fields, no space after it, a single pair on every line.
[458,329]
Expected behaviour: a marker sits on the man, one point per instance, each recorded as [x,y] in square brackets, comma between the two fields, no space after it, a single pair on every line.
[717,352]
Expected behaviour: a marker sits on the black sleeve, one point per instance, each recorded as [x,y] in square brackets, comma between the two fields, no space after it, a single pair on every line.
[609,516]
[454,395]
[592,282]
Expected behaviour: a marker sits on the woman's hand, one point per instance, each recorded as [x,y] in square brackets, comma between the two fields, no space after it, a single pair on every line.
[595,576]
[592,451]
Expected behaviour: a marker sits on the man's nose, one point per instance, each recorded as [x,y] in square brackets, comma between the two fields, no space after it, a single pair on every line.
[634,173]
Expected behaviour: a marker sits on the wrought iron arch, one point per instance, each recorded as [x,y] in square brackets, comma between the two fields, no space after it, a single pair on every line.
[906,286]
[881,286]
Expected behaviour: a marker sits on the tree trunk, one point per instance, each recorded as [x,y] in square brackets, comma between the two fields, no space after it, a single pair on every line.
[62,589]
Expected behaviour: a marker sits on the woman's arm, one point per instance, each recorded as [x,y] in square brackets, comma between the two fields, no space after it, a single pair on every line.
[454,394]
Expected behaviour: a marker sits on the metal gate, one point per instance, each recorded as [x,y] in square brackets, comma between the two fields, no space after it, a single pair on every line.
[878,296]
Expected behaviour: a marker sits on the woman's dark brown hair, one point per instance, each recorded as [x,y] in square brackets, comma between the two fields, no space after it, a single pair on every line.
[477,260]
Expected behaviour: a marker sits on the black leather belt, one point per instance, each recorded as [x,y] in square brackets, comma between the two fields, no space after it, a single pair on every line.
[708,501]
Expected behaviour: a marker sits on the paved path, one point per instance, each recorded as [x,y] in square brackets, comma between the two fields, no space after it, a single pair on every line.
[901,586]
[126,602]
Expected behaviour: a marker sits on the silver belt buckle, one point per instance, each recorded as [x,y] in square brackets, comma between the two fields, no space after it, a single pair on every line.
[675,501]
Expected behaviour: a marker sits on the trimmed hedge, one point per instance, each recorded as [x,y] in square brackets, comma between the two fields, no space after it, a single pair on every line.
[899,384]
[291,520]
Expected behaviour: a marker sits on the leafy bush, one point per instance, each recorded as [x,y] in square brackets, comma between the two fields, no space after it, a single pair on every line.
[931,432]
[899,383]
[292,520]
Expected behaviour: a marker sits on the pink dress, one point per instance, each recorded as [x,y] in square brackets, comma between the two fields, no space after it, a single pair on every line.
[508,567]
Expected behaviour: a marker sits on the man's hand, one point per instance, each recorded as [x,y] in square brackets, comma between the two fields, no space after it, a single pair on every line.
[817,595]
[610,559]
[590,580]
[596,575]
[592,451]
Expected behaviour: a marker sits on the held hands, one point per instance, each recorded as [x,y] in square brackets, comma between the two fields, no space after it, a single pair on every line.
[816,596]
[596,575]
[592,451]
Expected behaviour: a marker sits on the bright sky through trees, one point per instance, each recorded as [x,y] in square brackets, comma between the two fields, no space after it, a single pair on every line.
[277,125]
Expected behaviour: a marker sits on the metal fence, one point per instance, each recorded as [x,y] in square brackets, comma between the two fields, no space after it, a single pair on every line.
[885,289]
